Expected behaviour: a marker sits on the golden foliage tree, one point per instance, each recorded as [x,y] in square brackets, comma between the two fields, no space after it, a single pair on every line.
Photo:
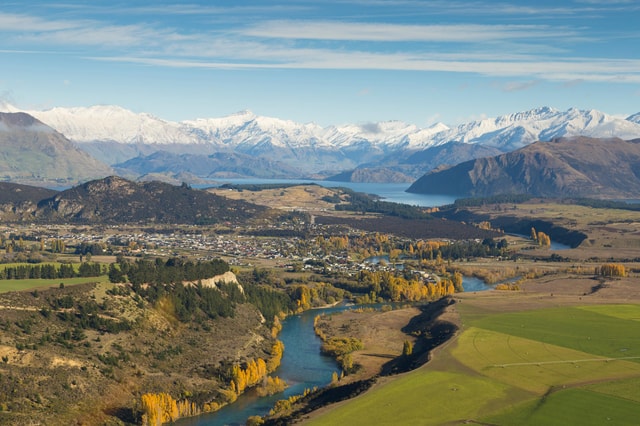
[277,350]
[271,385]
[251,375]
[407,348]
[543,239]
[158,408]
[611,270]
[457,281]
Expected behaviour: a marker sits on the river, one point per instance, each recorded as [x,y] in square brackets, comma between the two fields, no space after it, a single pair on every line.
[302,367]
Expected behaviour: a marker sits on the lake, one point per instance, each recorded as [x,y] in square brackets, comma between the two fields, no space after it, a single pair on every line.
[393,192]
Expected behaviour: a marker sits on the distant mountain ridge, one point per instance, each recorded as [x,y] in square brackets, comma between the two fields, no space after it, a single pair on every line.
[245,129]
[32,152]
[116,136]
[577,166]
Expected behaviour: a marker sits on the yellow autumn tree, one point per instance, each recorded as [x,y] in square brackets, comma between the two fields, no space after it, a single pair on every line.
[251,375]
[158,408]
[407,348]
[271,385]
[612,270]
[277,350]
[457,281]
[543,239]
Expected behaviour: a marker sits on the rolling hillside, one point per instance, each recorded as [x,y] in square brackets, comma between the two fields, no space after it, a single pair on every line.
[580,167]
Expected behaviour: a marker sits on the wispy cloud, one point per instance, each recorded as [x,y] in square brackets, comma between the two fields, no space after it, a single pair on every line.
[583,70]
[353,31]
[22,23]
[527,51]
[30,30]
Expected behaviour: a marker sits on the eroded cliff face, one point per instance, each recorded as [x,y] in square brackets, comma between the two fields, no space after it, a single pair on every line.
[227,278]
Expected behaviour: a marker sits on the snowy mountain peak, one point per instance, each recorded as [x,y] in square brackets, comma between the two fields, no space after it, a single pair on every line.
[245,130]
[635,118]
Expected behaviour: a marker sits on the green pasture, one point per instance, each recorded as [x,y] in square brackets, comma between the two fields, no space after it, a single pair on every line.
[422,398]
[571,407]
[534,365]
[29,284]
[594,331]
[573,365]
[630,312]
[625,388]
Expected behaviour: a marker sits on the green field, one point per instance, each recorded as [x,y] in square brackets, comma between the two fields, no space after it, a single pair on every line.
[593,329]
[571,407]
[541,367]
[19,285]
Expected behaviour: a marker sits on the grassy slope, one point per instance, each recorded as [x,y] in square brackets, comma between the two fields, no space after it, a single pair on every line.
[28,284]
[532,367]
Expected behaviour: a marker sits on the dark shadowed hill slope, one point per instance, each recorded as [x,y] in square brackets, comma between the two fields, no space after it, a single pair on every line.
[17,193]
[32,152]
[577,167]
[117,200]
[219,164]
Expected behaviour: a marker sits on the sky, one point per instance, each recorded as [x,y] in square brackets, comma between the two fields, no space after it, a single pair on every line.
[329,62]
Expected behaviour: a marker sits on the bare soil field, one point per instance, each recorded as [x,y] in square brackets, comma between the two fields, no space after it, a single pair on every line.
[300,197]
[380,332]
[556,291]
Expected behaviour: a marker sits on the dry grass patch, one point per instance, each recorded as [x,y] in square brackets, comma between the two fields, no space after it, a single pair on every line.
[300,197]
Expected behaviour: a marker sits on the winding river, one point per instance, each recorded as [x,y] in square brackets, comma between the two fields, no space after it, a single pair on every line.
[303,367]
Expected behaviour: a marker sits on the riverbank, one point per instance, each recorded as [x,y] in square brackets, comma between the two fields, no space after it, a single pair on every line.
[383,334]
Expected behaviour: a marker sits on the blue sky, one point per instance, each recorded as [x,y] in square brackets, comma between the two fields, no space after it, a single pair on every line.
[329,62]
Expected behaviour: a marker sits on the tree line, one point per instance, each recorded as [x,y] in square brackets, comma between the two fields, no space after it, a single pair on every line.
[159,271]
[51,271]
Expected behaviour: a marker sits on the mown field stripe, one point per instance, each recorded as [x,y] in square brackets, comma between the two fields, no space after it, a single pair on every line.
[569,361]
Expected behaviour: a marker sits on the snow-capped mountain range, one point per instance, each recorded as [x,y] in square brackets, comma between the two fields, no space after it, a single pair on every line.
[330,149]
[114,123]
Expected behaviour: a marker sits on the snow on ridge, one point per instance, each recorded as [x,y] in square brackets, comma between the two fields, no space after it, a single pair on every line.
[244,128]
[635,118]
[112,123]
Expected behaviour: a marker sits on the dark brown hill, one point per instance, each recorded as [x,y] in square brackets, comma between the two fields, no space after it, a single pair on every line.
[34,153]
[117,200]
[18,202]
[577,167]
[11,193]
